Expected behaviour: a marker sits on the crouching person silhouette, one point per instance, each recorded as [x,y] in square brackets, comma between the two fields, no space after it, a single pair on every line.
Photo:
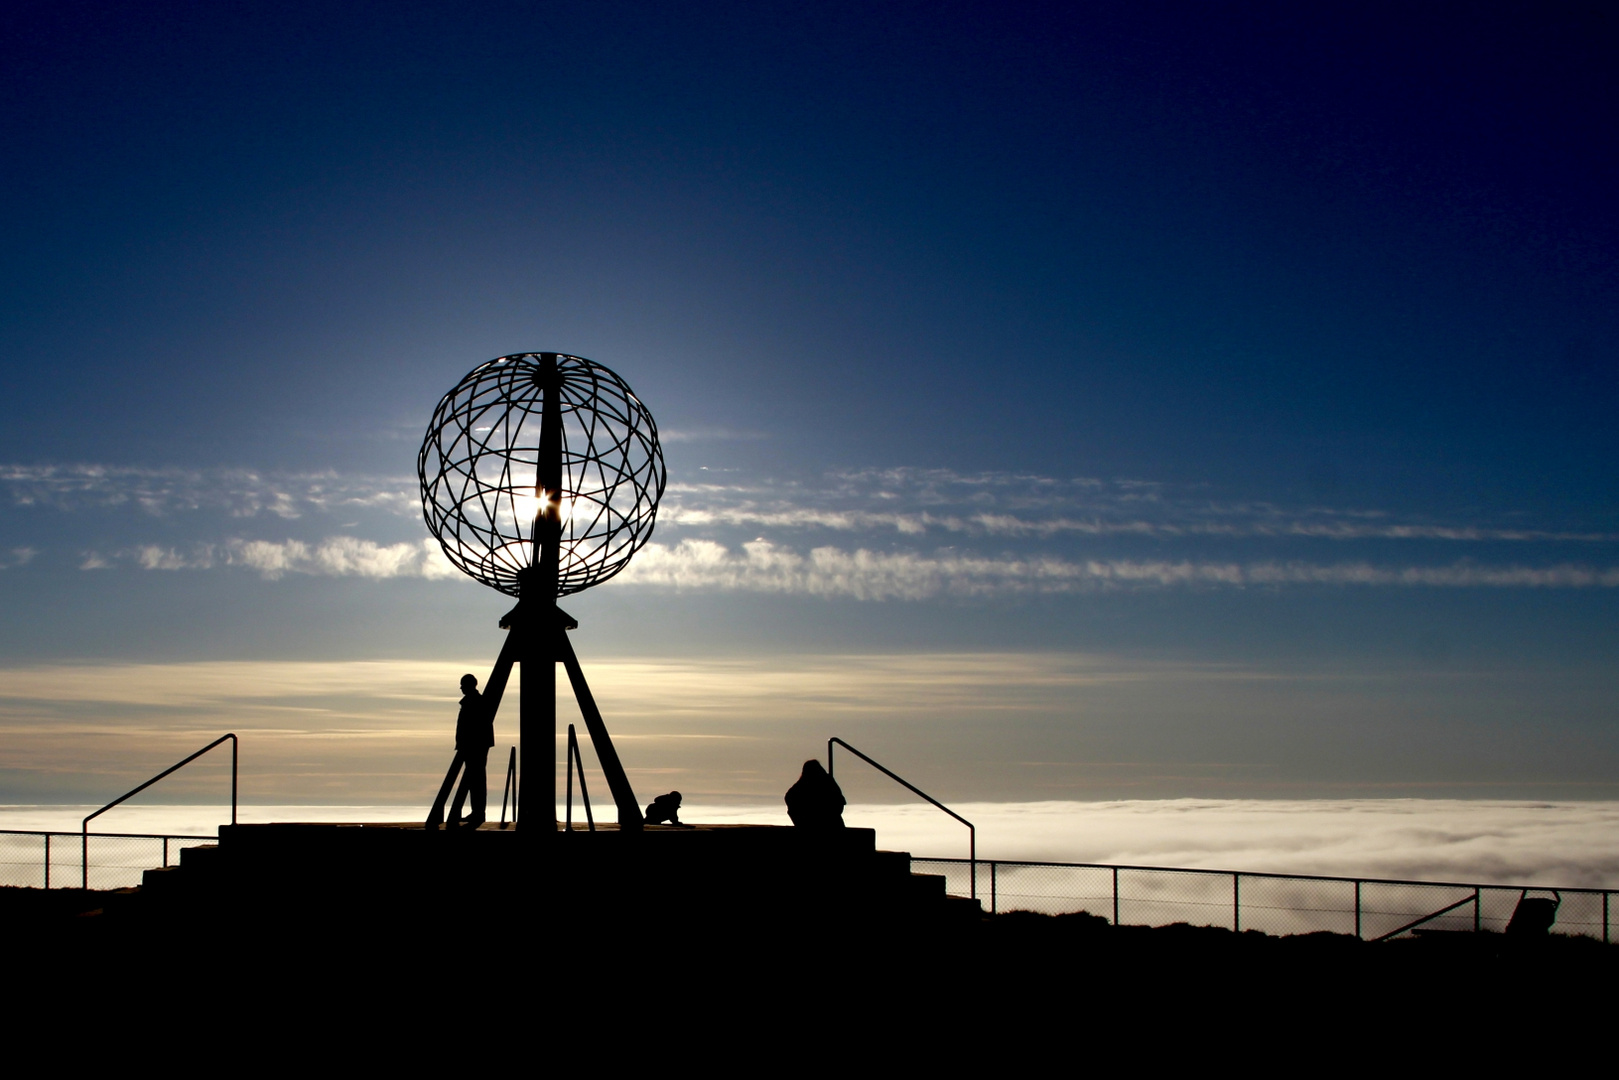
[665,808]
[474,735]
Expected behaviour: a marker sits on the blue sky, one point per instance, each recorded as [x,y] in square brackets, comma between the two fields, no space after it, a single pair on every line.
[1228,389]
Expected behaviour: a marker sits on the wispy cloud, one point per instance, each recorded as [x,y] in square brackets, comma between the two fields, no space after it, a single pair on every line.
[861,574]
[913,502]
[761,566]
[335,556]
[237,492]
[709,434]
[17,556]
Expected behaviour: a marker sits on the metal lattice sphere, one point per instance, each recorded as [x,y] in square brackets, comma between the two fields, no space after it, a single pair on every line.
[478,468]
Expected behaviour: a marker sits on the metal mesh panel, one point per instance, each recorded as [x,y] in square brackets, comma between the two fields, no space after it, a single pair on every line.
[1050,890]
[22,860]
[1161,897]
[117,862]
[1579,913]
[64,860]
[1283,906]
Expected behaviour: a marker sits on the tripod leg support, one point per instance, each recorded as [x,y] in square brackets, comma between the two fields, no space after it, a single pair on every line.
[630,818]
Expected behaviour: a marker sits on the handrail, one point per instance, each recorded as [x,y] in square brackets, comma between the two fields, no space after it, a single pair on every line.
[972,831]
[84,826]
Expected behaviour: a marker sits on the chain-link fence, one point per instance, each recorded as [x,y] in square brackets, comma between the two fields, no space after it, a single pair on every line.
[55,860]
[1274,903]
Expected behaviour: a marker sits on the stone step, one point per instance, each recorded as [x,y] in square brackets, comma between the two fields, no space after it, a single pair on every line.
[927,887]
[162,881]
[892,863]
[202,857]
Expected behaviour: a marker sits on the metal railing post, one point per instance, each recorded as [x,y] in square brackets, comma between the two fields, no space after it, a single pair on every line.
[1604,918]
[992,887]
[1476,918]
[1236,903]
[84,859]
[165,853]
[1357,910]
[1115,896]
[48,882]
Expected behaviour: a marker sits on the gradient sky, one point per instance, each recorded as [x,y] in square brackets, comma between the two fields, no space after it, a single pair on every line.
[1060,401]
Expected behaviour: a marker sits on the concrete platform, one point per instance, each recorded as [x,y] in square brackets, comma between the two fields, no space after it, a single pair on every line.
[379,878]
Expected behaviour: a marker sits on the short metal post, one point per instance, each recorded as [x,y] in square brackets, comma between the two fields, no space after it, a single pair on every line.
[992,888]
[165,853]
[1604,918]
[584,789]
[1236,904]
[1357,909]
[1115,896]
[1475,911]
[48,885]
[569,826]
[84,860]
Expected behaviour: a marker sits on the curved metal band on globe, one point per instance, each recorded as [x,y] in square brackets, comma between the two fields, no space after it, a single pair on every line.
[479,464]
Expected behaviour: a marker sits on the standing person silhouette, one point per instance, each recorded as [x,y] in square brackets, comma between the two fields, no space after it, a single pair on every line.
[474,735]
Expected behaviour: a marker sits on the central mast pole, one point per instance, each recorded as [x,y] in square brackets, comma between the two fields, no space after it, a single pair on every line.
[538,722]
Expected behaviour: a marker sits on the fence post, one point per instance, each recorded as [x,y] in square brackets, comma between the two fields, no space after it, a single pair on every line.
[48,886]
[1475,910]
[84,860]
[1604,918]
[1115,896]
[1236,903]
[1357,909]
[992,866]
[165,853]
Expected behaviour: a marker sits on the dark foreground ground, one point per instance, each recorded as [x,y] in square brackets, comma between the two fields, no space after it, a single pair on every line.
[572,981]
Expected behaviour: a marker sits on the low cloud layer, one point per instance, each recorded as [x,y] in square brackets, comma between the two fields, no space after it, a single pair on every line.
[1554,843]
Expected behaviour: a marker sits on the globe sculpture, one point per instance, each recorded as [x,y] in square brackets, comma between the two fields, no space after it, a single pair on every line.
[480,464]
[540,477]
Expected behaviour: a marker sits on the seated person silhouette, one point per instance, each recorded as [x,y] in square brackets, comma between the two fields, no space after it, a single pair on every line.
[665,808]
[815,801]
[474,735]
